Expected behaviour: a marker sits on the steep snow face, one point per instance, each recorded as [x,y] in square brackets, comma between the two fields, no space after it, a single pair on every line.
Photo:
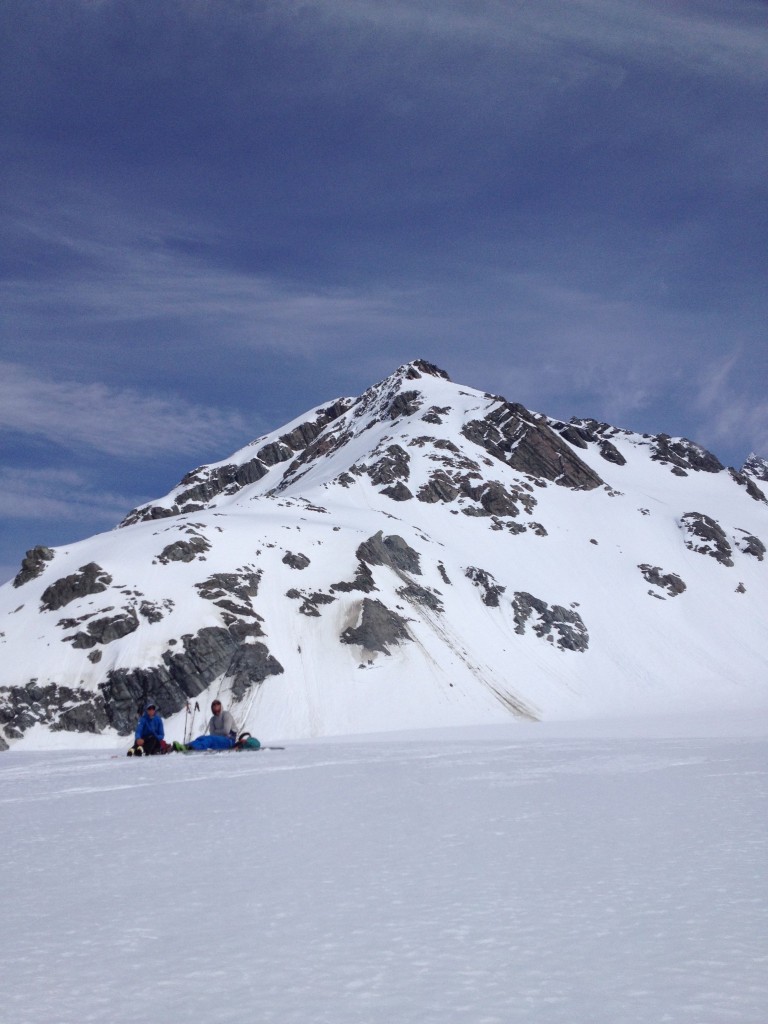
[425,554]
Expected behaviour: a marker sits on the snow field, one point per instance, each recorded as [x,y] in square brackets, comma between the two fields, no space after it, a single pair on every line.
[523,877]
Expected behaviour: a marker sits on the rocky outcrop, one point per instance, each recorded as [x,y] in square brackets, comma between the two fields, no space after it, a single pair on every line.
[232,593]
[297,561]
[705,536]
[756,466]
[664,581]
[491,590]
[746,481]
[424,596]
[32,565]
[398,492]
[513,435]
[203,485]
[105,629]
[561,626]
[379,628]
[440,487]
[391,551]
[750,545]
[684,455]
[393,464]
[89,579]
[309,602]
[184,550]
[60,708]
[611,453]
[212,652]
[363,581]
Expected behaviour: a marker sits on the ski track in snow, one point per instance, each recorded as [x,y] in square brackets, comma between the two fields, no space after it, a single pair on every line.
[561,881]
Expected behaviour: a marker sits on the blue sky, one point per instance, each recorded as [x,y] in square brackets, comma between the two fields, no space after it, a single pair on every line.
[217,214]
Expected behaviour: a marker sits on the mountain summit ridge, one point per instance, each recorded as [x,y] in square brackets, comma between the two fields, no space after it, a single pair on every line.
[422,554]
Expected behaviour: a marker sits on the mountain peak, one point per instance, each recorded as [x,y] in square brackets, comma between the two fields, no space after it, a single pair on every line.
[422,554]
[756,466]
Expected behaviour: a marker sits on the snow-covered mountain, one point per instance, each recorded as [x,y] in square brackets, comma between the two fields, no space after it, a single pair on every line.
[423,555]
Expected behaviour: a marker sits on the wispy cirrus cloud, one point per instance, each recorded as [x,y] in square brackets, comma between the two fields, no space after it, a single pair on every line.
[122,422]
[51,494]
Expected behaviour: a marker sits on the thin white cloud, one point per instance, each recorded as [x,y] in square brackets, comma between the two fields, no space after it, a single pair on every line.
[724,409]
[728,41]
[128,273]
[121,422]
[58,495]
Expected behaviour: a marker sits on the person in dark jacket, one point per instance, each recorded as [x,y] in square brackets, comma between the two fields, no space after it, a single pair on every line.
[150,733]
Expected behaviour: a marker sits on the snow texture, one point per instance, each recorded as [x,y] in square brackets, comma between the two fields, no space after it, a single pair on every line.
[500,875]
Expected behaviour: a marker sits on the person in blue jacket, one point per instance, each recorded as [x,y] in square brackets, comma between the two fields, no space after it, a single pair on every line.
[150,733]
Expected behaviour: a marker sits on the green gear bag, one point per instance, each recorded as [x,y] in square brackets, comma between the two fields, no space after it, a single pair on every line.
[248,742]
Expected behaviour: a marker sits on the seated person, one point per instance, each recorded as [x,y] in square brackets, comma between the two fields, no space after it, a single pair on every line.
[150,733]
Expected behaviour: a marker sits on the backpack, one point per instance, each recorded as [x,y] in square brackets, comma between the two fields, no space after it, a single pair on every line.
[247,742]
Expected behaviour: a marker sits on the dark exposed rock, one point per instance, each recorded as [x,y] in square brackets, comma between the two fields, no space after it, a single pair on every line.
[612,454]
[497,501]
[223,586]
[747,482]
[184,550]
[705,535]
[306,433]
[421,366]
[421,595]
[363,581]
[756,466]
[573,435]
[439,488]
[563,626]
[147,513]
[435,414]
[89,579]
[406,403]
[666,581]
[310,602]
[750,545]
[298,561]
[210,482]
[443,574]
[58,707]
[492,590]
[684,454]
[211,652]
[398,492]
[513,435]
[393,465]
[272,454]
[151,611]
[106,629]
[379,628]
[206,483]
[392,551]
[251,664]
[32,565]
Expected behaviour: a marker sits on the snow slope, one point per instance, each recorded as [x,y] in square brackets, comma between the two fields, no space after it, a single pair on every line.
[518,874]
[423,555]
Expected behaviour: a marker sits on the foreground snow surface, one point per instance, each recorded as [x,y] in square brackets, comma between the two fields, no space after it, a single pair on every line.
[483,878]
